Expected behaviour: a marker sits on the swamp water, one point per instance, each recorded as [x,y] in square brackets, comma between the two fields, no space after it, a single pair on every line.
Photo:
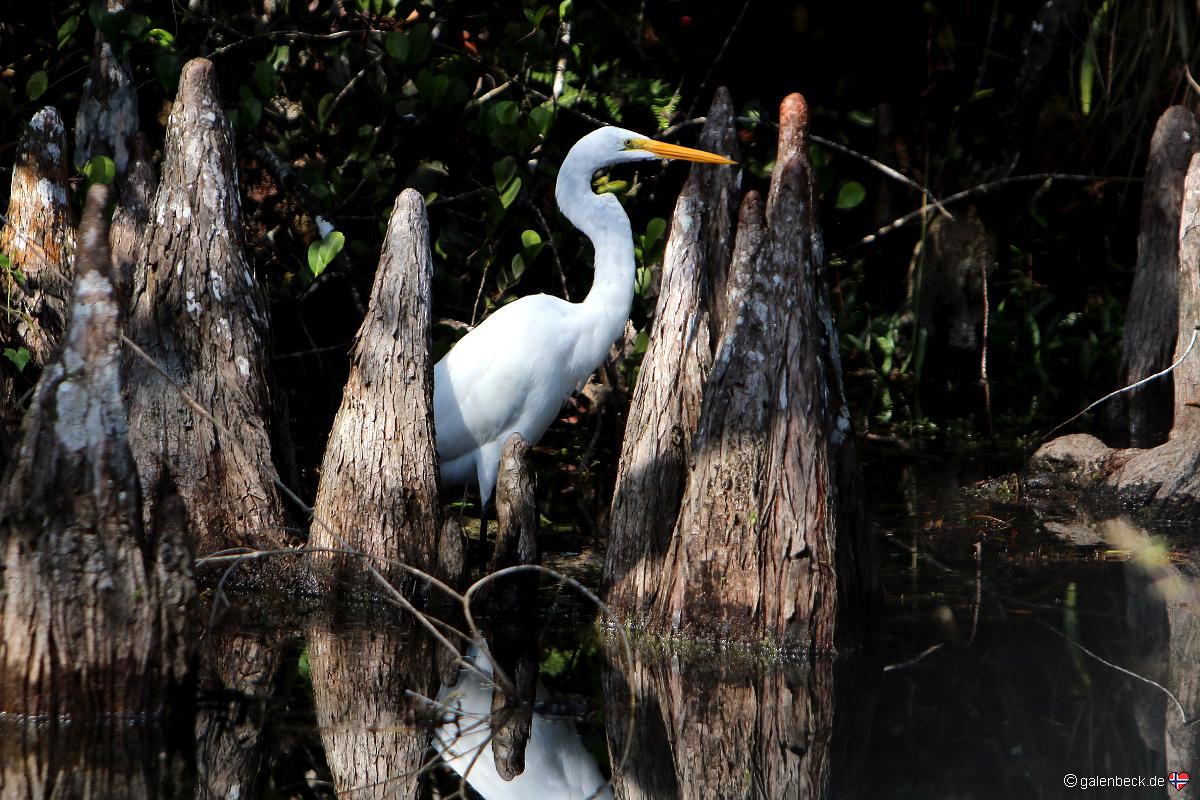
[972,687]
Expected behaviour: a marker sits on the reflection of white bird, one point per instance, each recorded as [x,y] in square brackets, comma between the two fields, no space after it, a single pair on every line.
[513,372]
[557,765]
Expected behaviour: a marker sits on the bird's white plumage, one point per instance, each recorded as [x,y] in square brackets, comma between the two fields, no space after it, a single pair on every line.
[513,372]
[557,764]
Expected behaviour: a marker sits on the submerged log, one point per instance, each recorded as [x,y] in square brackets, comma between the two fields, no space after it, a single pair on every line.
[378,492]
[1163,481]
[93,599]
[199,313]
[1142,417]
[665,408]
[768,543]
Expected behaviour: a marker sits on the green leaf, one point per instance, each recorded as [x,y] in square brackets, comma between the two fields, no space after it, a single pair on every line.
[264,78]
[323,107]
[506,112]
[850,195]
[863,119]
[304,667]
[518,266]
[19,357]
[35,87]
[100,169]
[530,238]
[251,108]
[564,8]
[655,229]
[420,42]
[161,38]
[541,117]
[322,252]
[396,44]
[508,182]
[67,30]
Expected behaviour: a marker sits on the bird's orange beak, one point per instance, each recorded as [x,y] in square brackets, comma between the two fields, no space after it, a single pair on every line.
[664,150]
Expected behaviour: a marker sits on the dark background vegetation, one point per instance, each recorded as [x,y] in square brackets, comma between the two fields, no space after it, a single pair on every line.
[340,104]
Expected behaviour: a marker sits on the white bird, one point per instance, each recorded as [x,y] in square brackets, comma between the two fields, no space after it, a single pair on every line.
[557,764]
[513,372]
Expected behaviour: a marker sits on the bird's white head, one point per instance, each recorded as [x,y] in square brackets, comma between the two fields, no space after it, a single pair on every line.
[607,146]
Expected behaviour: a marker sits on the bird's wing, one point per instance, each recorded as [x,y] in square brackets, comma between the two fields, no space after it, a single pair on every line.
[494,376]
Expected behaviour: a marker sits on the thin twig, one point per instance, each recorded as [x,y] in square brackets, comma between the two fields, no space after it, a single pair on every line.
[983,188]
[904,664]
[549,234]
[1178,705]
[721,52]
[1130,387]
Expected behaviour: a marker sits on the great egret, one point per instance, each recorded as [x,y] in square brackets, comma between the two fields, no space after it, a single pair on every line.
[514,371]
[557,764]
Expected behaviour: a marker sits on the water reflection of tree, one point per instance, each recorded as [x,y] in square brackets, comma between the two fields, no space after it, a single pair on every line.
[237,681]
[710,728]
[374,729]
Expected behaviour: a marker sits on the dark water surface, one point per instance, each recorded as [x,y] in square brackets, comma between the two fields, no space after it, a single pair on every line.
[971,689]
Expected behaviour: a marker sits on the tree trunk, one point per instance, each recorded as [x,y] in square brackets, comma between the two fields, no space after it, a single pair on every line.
[516,508]
[753,554]
[375,735]
[93,600]
[198,312]
[1140,417]
[38,238]
[107,122]
[665,408]
[378,492]
[1164,481]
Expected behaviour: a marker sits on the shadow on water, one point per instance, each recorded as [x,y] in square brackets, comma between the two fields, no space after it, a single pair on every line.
[973,689]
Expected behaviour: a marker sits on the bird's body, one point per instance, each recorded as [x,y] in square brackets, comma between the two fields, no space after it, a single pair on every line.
[513,372]
[558,765]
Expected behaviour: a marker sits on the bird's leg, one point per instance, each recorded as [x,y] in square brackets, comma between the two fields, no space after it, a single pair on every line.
[483,520]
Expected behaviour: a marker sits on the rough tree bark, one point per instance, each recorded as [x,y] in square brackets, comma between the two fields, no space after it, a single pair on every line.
[198,312]
[516,508]
[107,122]
[375,734]
[1141,418]
[665,407]
[767,543]
[378,490]
[1164,481]
[93,599]
[38,238]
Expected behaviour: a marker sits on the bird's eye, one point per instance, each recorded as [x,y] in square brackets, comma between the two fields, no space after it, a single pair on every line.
[628,144]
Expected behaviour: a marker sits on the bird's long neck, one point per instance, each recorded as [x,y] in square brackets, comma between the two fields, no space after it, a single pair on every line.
[600,217]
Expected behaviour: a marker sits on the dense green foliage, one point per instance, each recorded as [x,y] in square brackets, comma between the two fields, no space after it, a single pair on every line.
[339,104]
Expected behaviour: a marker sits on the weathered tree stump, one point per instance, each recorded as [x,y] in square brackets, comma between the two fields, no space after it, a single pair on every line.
[93,598]
[198,312]
[516,508]
[107,122]
[378,492]
[1163,481]
[1142,417]
[665,408]
[38,238]
[768,542]
[375,734]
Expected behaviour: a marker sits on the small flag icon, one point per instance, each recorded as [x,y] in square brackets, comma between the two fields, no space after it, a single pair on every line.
[1179,780]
